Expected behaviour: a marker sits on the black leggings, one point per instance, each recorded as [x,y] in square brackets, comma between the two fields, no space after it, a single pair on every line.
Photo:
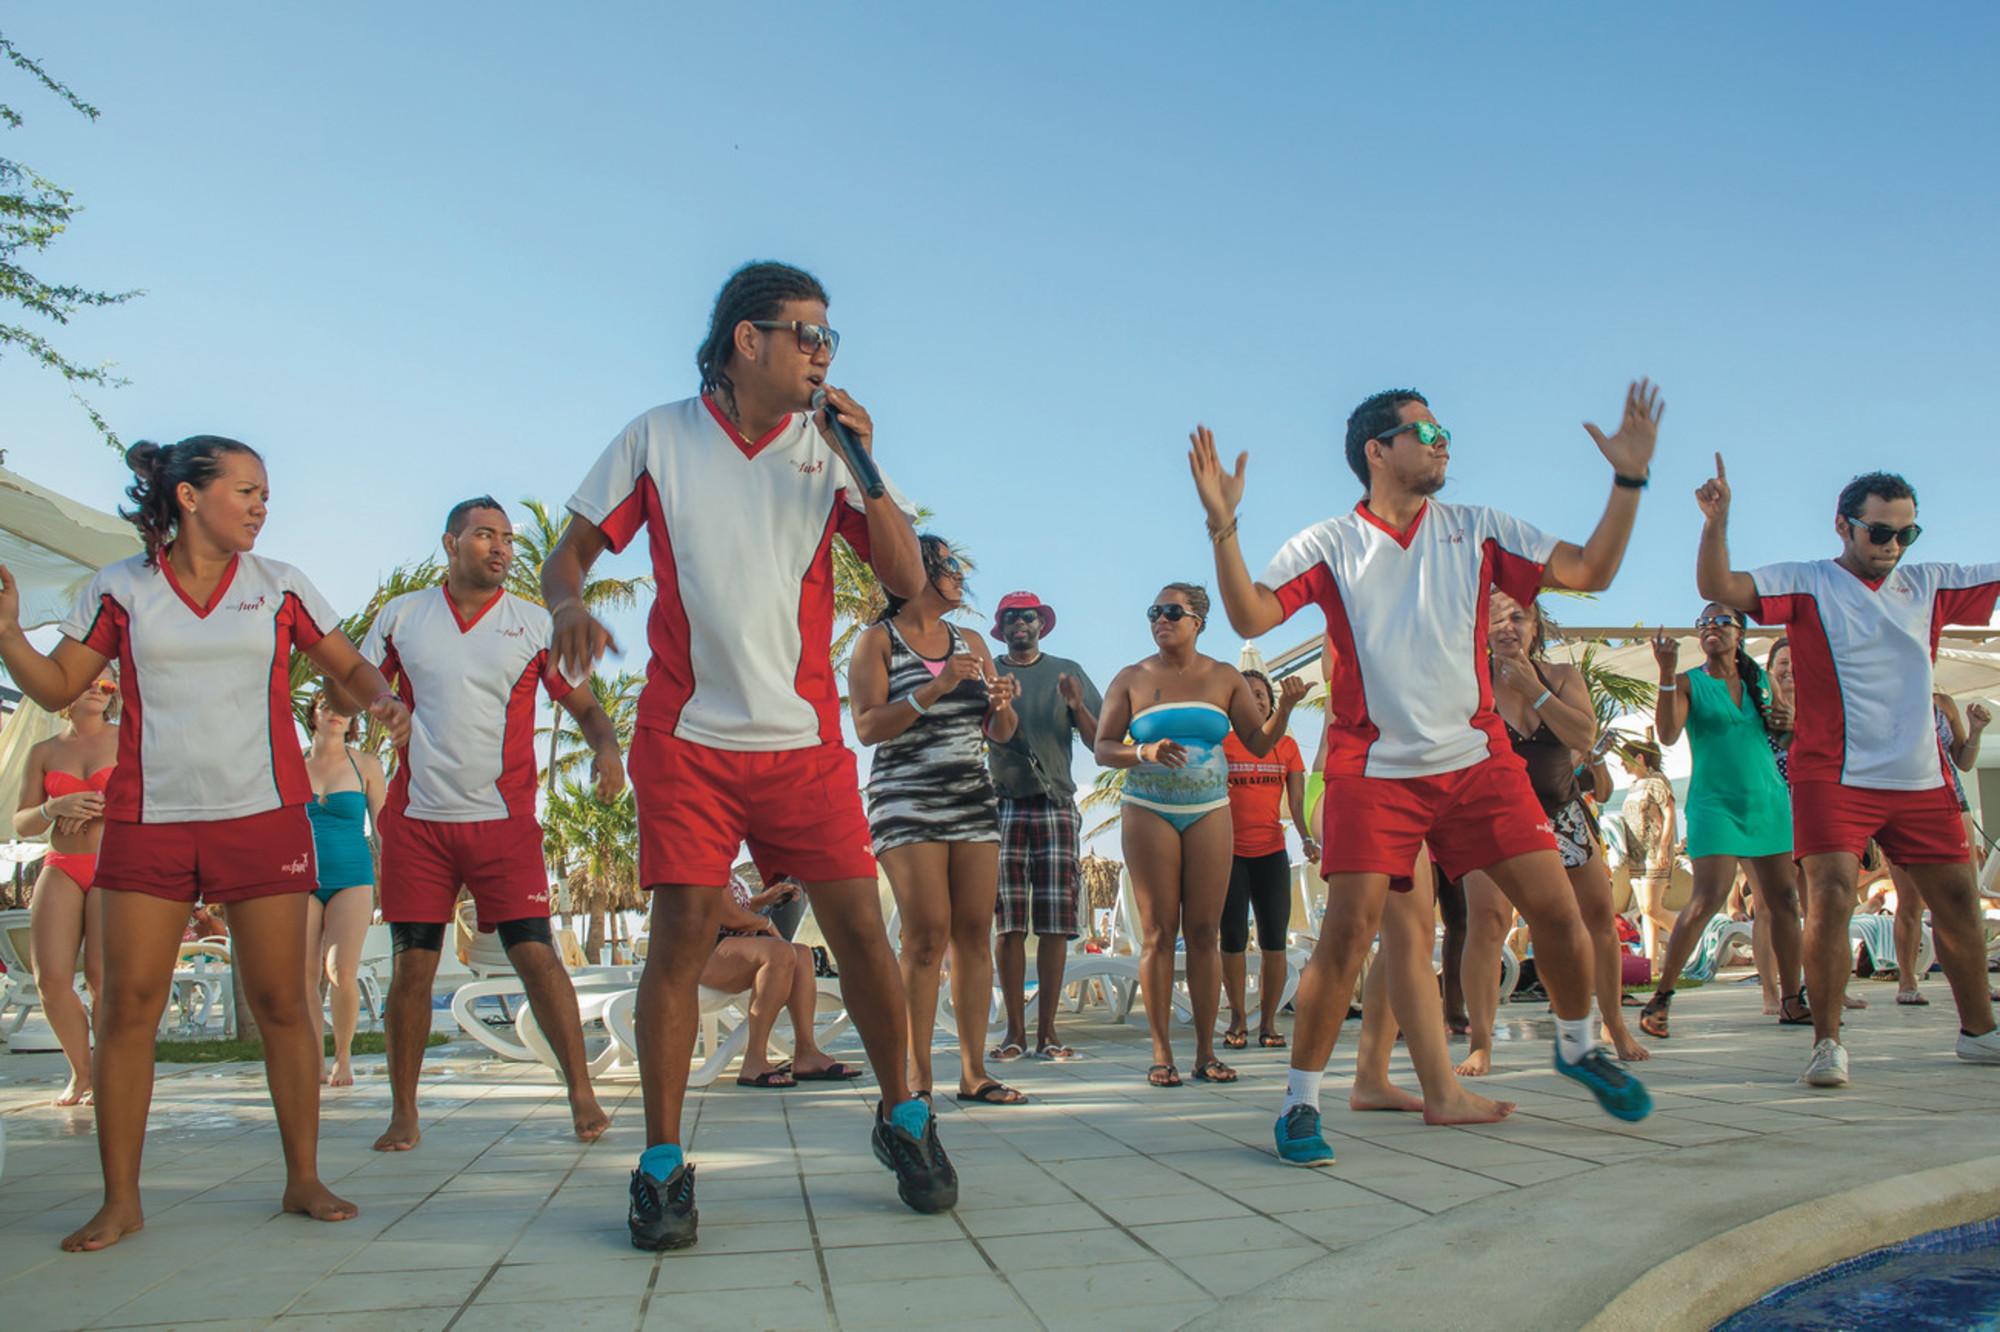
[1263,882]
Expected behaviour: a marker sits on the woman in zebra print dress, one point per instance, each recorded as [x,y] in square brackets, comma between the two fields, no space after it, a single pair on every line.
[927,698]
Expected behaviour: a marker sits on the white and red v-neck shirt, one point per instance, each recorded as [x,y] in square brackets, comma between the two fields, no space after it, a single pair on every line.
[470,687]
[741,534]
[1861,664]
[207,731]
[1408,694]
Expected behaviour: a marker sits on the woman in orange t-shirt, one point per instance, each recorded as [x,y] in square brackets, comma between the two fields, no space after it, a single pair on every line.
[1260,875]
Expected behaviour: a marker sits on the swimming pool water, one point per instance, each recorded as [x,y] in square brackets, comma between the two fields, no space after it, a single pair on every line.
[1946,1279]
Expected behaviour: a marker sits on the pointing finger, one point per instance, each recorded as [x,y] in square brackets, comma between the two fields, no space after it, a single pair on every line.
[1720,475]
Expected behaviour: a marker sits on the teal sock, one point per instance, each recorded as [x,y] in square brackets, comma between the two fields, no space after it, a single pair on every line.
[911,1116]
[660,1162]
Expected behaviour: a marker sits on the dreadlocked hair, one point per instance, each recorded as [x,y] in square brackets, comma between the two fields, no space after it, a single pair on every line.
[755,291]
[158,473]
[1197,599]
[1755,682]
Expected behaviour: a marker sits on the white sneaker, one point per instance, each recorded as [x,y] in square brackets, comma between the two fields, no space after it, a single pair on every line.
[1828,1066]
[1980,1049]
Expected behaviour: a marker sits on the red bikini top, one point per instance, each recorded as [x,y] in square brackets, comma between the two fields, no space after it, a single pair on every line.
[68,783]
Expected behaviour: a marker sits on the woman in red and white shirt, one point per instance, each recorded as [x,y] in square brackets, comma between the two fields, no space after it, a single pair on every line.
[207,800]
[1260,874]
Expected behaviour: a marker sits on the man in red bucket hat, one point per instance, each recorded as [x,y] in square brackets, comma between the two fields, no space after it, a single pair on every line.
[1040,884]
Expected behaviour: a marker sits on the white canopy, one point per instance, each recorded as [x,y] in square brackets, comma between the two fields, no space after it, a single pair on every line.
[54,544]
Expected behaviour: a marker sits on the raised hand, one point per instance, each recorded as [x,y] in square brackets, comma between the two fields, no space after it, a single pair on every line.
[1977,717]
[10,601]
[1630,451]
[580,641]
[1667,652]
[958,668]
[1001,692]
[1778,714]
[841,403]
[1713,494]
[1292,691]
[391,715]
[1071,690]
[1220,491]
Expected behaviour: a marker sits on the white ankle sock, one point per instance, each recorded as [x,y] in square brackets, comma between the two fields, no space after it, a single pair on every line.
[1302,1088]
[1576,1037]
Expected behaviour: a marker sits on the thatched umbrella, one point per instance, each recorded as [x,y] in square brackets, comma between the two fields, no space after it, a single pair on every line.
[1100,880]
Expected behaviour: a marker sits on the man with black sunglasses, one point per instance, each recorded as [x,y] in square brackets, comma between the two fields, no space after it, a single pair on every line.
[1865,760]
[1415,752]
[1040,877]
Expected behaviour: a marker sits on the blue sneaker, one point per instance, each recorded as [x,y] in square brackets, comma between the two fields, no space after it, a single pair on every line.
[1622,1095]
[1299,1140]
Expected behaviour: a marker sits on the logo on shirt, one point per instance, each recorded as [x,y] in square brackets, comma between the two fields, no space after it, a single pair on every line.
[258,604]
[1455,538]
[541,897]
[517,631]
[303,865]
[813,468]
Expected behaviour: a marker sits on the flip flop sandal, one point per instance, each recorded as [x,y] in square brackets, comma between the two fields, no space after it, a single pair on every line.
[770,1079]
[993,1093]
[1788,1017]
[1912,999]
[1055,1053]
[834,1072]
[1214,1071]
[1163,1075]
[1458,1026]
[1271,1040]
[1235,1040]
[1011,1050]
[1653,1017]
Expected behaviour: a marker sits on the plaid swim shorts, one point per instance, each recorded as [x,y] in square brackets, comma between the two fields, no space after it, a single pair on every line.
[1040,884]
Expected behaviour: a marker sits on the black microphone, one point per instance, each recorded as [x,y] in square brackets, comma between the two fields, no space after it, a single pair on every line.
[859,461]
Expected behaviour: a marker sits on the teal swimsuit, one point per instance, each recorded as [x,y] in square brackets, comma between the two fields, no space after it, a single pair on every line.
[340,840]
[1181,796]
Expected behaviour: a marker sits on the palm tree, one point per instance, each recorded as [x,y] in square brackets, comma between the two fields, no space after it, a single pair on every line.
[305,681]
[620,697]
[593,847]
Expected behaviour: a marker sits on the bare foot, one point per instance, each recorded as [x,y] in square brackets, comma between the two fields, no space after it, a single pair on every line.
[1388,1096]
[113,1222]
[1463,1107]
[317,1201]
[401,1135]
[1853,1001]
[589,1119]
[342,1076]
[1476,1064]
[77,1092]
[1626,1045]
[1773,1007]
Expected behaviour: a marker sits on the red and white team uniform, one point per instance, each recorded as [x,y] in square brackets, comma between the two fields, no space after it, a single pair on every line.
[208,798]
[1414,749]
[461,807]
[738,733]
[1865,757]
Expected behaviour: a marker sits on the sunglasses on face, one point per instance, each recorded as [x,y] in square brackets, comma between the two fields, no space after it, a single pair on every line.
[1715,622]
[811,336]
[1882,534]
[1429,433]
[1020,617]
[106,685]
[1172,613]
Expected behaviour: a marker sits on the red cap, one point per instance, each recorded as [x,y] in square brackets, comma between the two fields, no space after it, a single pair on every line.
[1024,601]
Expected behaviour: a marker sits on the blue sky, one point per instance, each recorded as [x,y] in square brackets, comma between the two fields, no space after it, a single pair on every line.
[418,252]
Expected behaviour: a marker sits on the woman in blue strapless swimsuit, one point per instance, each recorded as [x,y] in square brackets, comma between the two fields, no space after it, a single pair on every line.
[348,788]
[1176,706]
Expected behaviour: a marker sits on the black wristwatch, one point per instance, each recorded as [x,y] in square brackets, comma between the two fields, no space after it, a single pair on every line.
[1629,482]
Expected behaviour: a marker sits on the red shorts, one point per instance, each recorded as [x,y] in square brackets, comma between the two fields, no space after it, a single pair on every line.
[1912,827]
[424,864]
[219,860]
[1472,818]
[799,809]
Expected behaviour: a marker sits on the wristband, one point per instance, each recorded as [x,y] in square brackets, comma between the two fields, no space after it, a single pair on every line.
[1544,697]
[564,605]
[1669,688]
[1138,754]
[918,708]
[1629,482]
[1218,535]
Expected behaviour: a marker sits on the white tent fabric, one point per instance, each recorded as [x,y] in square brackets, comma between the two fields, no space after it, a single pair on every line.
[52,544]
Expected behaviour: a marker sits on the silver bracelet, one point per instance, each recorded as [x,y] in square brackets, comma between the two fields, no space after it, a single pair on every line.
[1669,688]
[1546,695]
[918,708]
[1138,754]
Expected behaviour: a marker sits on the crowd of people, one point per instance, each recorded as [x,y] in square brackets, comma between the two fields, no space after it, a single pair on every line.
[1456,772]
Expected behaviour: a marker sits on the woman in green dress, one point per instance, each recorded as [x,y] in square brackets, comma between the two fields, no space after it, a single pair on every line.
[1738,810]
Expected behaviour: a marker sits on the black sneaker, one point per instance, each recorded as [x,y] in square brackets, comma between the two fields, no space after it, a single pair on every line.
[663,1214]
[925,1180]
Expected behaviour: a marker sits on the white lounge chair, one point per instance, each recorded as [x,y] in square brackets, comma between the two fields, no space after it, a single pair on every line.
[19,994]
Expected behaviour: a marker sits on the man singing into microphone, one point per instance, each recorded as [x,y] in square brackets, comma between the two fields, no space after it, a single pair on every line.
[742,491]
